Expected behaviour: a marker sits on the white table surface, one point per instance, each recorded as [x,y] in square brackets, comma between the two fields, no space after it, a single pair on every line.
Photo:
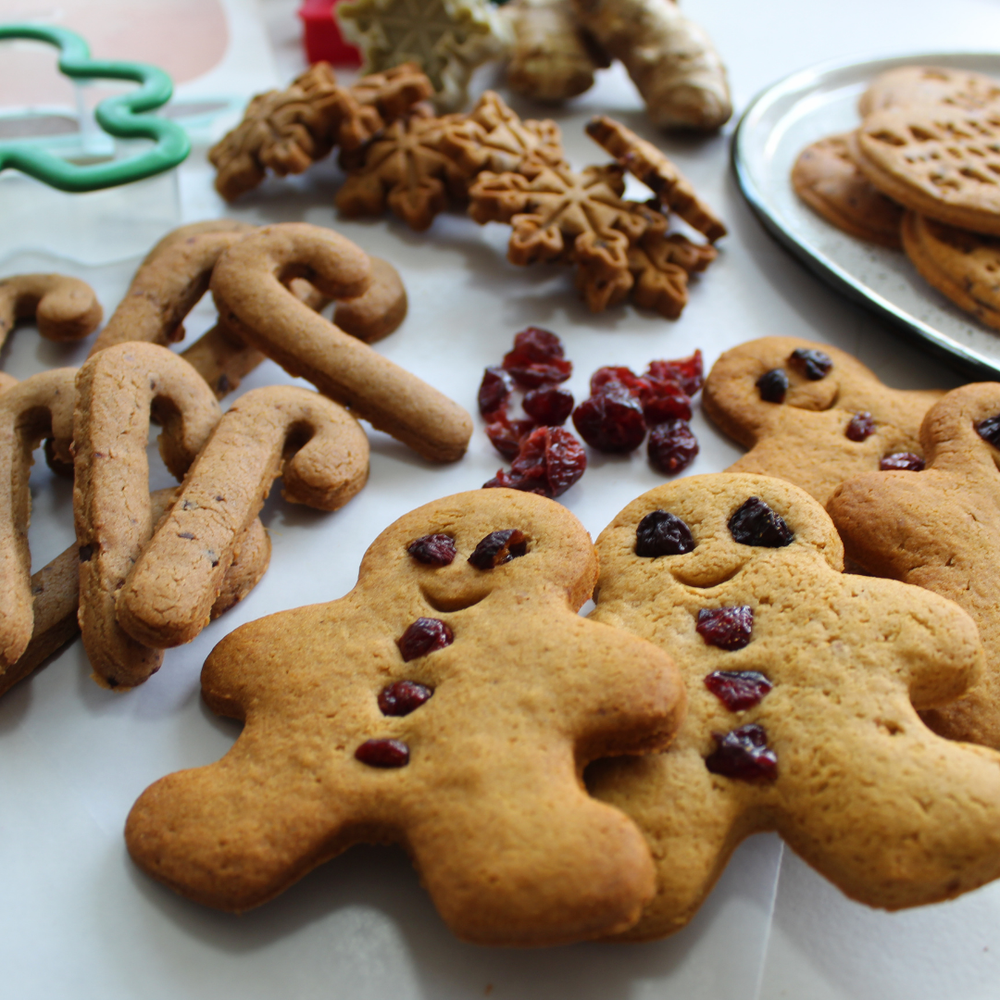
[77,920]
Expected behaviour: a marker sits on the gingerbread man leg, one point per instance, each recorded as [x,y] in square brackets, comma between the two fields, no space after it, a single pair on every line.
[449,703]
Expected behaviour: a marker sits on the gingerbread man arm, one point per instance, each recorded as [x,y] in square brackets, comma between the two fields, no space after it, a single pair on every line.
[39,407]
[252,300]
[278,430]
[64,308]
[116,391]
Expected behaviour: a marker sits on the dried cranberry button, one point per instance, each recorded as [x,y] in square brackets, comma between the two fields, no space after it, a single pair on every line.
[402,697]
[433,550]
[754,523]
[743,754]
[904,461]
[383,753]
[861,426]
[672,446]
[773,385]
[989,430]
[738,689]
[728,628]
[424,636]
[499,547]
[662,534]
[814,365]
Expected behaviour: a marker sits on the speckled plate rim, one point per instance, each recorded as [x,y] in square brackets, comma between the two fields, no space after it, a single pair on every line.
[765,111]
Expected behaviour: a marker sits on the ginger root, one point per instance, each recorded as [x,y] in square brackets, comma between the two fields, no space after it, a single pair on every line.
[669,58]
[552,58]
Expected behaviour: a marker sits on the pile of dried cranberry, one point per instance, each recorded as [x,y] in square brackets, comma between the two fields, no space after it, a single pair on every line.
[546,458]
[622,406]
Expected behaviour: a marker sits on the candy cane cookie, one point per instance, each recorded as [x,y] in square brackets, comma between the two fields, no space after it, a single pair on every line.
[37,408]
[55,590]
[248,290]
[64,308]
[313,443]
[118,390]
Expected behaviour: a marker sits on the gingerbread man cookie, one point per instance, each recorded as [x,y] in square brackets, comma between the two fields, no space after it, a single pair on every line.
[448,703]
[803,688]
[940,529]
[810,413]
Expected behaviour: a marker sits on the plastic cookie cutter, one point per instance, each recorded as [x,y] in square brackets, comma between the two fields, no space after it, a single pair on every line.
[123,116]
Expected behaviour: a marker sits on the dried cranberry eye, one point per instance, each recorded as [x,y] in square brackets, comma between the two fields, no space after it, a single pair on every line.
[499,547]
[494,390]
[754,523]
[402,697]
[860,427]
[904,461]
[728,628]
[743,754]
[813,364]
[424,636]
[989,430]
[383,753]
[773,385]
[433,550]
[662,534]
[738,690]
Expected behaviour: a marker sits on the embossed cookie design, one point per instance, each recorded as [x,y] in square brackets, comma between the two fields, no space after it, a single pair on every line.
[448,703]
[940,529]
[803,689]
[811,414]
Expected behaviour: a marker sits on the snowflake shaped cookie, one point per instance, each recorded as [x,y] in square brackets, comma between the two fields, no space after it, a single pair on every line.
[448,39]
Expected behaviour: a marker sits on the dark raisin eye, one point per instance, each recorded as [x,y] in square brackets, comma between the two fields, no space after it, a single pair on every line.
[860,427]
[727,628]
[905,461]
[754,523]
[773,385]
[424,636]
[743,754]
[499,547]
[813,364]
[662,534]
[989,430]
[433,550]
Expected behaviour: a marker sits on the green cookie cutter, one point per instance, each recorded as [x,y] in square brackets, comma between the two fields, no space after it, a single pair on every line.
[122,116]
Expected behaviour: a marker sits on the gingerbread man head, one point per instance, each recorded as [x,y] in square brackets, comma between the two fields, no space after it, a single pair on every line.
[803,689]
[448,703]
[811,414]
[940,529]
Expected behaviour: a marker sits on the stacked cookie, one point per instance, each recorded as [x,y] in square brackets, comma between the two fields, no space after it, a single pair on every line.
[921,172]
